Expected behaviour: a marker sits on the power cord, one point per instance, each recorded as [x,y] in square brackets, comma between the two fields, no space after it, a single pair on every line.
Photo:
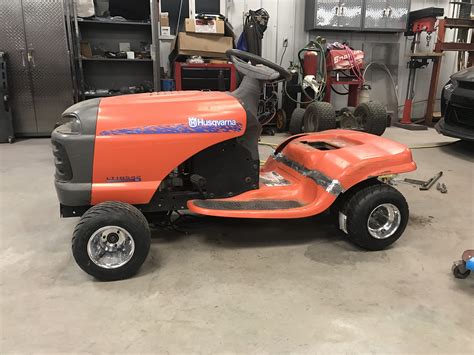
[285,46]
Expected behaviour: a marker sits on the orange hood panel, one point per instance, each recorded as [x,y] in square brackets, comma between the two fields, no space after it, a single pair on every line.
[141,138]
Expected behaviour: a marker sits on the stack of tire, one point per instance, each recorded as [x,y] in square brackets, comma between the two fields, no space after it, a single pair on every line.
[320,116]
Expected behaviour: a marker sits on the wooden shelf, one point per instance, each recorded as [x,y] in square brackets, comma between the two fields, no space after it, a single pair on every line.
[111,22]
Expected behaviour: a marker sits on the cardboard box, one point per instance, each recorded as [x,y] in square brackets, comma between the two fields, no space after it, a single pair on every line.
[165,31]
[86,50]
[203,44]
[205,26]
[164,19]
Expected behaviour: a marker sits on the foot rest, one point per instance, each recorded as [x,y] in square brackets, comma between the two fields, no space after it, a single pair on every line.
[255,205]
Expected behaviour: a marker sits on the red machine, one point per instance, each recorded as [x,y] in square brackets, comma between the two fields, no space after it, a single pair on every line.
[419,21]
[124,161]
[344,68]
[205,76]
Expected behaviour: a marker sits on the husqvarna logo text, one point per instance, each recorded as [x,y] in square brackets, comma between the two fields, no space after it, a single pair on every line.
[194,122]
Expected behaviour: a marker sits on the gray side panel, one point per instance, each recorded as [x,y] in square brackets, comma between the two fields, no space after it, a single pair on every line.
[49,60]
[309,15]
[87,112]
[80,152]
[12,41]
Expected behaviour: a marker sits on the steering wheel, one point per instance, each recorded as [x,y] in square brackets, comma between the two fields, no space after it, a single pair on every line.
[269,71]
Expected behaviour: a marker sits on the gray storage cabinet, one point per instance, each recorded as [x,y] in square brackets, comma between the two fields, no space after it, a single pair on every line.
[333,14]
[357,15]
[33,35]
[386,15]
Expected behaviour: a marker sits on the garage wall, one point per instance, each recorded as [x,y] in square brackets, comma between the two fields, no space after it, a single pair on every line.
[287,21]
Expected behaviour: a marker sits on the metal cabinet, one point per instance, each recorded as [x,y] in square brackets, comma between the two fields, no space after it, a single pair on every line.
[365,15]
[33,35]
[386,15]
[333,14]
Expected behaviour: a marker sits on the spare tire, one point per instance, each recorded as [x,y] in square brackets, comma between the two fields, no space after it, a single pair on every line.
[372,117]
[281,121]
[319,116]
[296,121]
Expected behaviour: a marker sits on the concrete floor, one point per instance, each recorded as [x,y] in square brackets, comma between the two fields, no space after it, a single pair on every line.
[239,286]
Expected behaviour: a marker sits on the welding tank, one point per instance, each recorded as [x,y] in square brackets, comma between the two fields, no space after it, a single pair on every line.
[310,63]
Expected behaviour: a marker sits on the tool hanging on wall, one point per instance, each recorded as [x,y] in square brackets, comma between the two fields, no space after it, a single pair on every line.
[255,25]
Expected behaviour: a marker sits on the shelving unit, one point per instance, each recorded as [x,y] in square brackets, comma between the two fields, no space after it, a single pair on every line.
[114,22]
[103,35]
[98,59]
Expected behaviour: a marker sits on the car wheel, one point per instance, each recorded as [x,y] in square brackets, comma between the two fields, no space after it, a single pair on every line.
[374,217]
[111,241]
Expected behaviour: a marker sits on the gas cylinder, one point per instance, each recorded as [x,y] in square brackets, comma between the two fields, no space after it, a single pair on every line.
[310,63]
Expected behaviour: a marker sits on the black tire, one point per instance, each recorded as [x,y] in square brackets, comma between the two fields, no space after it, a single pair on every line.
[117,214]
[460,271]
[296,121]
[281,121]
[372,117]
[360,204]
[319,116]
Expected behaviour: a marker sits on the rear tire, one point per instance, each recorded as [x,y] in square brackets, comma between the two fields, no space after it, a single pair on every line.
[111,241]
[372,117]
[375,216]
[296,121]
[281,121]
[319,116]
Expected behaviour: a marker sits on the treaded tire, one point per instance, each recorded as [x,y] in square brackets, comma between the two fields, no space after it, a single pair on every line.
[111,213]
[281,121]
[358,207]
[373,117]
[296,121]
[319,116]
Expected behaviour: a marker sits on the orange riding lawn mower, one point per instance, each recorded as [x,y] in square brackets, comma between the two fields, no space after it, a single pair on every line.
[122,162]
[322,70]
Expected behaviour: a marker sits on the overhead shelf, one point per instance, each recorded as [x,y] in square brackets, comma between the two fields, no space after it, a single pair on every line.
[112,22]
[116,60]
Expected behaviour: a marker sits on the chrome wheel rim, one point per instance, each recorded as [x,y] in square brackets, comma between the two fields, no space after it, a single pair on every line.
[384,221]
[110,247]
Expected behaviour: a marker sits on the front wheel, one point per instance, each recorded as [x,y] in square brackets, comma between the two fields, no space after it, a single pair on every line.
[374,217]
[111,241]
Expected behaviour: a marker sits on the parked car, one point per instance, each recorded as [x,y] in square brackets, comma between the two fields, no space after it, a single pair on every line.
[457,106]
